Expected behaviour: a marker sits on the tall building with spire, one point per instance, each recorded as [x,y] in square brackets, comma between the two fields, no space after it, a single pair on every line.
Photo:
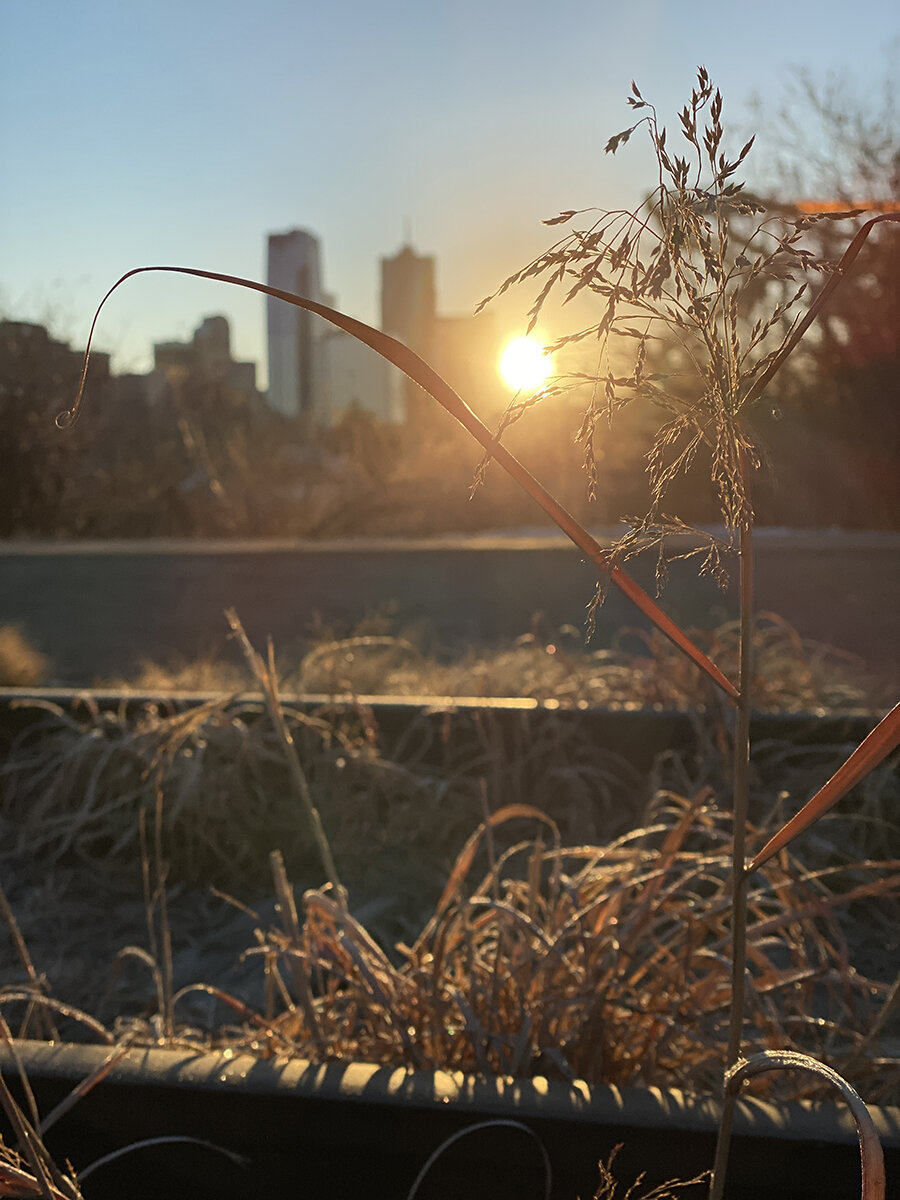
[294,336]
[408,312]
[318,373]
[408,299]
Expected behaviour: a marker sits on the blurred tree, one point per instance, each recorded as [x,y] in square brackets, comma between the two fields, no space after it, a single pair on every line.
[37,377]
[836,403]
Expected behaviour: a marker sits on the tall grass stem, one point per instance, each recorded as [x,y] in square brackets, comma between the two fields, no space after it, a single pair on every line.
[268,683]
[739,878]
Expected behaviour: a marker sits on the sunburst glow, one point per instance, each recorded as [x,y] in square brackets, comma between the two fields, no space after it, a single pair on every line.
[525,364]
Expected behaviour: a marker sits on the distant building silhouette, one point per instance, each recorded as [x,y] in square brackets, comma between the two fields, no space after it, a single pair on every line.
[206,358]
[33,364]
[293,335]
[317,373]
[409,299]
[212,347]
[356,379]
[408,303]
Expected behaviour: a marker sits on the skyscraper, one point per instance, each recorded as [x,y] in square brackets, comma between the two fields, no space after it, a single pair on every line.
[408,300]
[408,304]
[293,335]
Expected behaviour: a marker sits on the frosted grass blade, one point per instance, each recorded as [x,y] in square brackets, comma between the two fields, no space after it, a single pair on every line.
[884,738]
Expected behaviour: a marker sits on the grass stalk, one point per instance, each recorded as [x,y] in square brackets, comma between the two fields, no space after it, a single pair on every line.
[156,909]
[49,1180]
[739,878]
[86,1085]
[43,1018]
[497,1123]
[763,380]
[265,676]
[291,926]
[238,1160]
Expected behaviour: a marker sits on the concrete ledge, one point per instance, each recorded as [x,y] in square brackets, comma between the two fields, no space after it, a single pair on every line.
[341,1126]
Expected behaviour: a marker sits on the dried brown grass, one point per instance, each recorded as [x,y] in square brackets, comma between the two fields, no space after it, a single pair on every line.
[605,960]
[609,1187]
[641,669]
[602,961]
[74,783]
[21,663]
[606,963]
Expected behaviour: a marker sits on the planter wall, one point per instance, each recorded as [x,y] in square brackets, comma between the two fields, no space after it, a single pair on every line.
[97,609]
[451,728]
[352,1130]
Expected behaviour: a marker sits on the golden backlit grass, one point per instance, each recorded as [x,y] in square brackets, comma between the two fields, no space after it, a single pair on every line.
[600,962]
[642,669]
[21,663]
[603,962]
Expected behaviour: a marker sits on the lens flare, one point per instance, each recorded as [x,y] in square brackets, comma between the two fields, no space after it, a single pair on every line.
[525,365]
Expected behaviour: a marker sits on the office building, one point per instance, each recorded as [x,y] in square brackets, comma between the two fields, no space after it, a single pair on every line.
[408,299]
[205,359]
[354,378]
[294,336]
[408,305]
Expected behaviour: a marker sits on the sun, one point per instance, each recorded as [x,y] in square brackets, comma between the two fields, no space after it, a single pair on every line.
[525,364]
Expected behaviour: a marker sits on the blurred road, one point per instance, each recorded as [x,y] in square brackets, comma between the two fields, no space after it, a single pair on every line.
[98,609]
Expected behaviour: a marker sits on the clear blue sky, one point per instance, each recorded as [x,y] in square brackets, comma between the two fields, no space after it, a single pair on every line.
[149,131]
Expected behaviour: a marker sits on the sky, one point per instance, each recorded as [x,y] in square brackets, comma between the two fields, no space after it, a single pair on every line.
[138,132]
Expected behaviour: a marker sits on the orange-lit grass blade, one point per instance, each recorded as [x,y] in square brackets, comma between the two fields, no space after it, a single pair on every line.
[421,373]
[884,738]
[673,842]
[466,856]
[86,1085]
[758,932]
[23,1185]
[642,906]
[232,1002]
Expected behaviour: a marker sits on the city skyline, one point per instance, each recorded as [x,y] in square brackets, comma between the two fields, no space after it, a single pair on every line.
[181,134]
[318,372]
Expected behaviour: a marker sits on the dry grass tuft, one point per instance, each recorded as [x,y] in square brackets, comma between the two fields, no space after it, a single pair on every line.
[74,783]
[642,669]
[609,1188]
[21,665]
[606,963]
[604,960]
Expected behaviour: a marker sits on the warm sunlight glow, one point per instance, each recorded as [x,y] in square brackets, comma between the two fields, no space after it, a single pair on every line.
[524,365]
